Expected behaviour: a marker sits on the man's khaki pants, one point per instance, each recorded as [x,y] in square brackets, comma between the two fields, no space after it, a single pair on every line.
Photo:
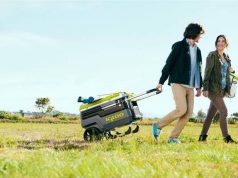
[184,101]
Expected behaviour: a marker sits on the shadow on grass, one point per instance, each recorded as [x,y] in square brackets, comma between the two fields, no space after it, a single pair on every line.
[65,144]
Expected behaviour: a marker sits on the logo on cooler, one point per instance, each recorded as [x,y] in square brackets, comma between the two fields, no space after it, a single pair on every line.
[115,117]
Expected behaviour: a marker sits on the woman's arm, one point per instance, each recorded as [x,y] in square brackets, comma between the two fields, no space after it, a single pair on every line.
[208,70]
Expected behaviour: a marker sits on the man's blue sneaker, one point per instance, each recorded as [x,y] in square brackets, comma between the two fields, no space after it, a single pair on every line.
[174,141]
[155,131]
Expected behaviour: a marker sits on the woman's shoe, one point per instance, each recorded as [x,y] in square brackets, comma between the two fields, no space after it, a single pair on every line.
[202,138]
[228,139]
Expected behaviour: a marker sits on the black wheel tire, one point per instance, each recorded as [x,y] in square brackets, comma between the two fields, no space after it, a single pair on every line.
[108,135]
[92,134]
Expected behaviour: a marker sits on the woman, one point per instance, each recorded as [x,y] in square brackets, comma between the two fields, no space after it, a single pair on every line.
[216,85]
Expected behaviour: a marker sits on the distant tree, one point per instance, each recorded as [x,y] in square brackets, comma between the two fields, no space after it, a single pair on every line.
[235,114]
[21,113]
[43,104]
[49,109]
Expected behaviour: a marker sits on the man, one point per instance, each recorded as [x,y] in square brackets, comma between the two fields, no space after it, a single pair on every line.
[183,67]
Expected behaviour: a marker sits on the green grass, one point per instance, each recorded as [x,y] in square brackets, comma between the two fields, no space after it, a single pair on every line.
[58,150]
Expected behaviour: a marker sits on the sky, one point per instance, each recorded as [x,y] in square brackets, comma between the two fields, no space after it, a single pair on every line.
[65,49]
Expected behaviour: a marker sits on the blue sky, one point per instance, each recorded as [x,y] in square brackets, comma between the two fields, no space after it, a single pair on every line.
[64,49]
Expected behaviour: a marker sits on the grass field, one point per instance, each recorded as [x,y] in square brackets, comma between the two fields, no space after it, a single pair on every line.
[58,150]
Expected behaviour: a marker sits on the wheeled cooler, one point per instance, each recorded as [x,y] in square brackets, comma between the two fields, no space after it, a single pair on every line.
[112,111]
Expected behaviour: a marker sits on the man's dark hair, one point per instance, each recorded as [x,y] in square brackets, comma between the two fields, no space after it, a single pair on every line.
[193,30]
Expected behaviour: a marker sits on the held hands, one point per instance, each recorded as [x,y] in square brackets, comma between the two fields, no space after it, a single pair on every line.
[205,93]
[199,92]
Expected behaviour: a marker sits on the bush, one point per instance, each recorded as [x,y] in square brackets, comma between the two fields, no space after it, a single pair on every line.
[16,117]
[64,118]
[232,120]
[4,115]
[73,118]
[61,116]
[192,119]
[8,116]
[58,114]
[57,118]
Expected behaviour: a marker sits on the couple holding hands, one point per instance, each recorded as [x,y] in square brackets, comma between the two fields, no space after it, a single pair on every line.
[183,71]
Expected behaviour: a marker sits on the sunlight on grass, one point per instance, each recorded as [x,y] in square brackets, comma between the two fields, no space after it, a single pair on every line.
[58,150]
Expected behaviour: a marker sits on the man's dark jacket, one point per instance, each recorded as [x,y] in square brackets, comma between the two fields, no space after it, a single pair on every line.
[178,64]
